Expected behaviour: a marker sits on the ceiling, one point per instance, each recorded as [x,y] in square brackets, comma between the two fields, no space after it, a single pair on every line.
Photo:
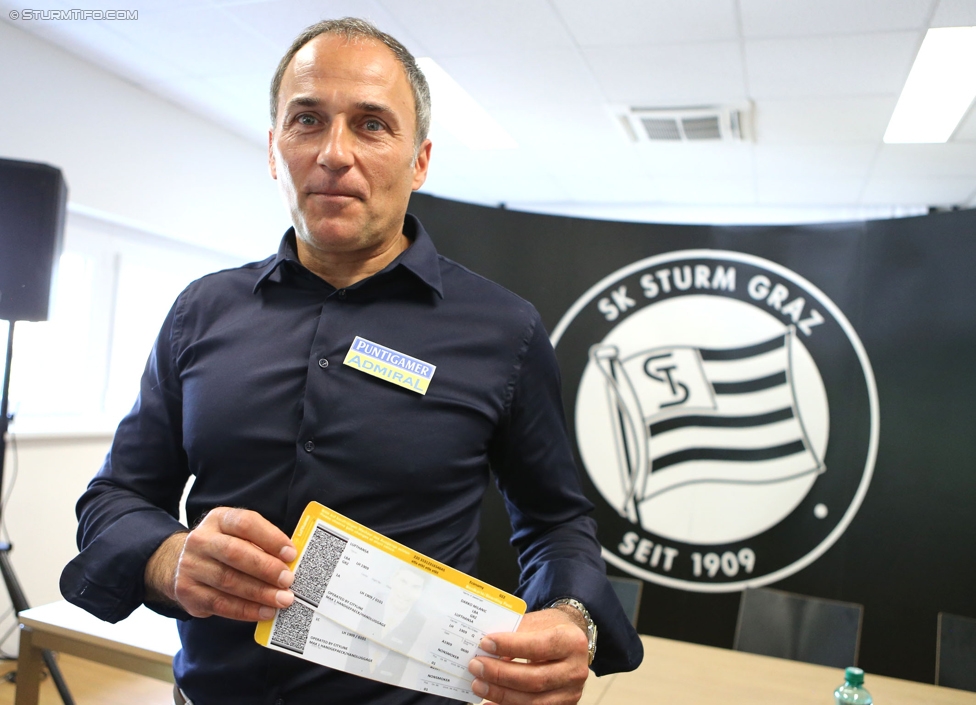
[823,77]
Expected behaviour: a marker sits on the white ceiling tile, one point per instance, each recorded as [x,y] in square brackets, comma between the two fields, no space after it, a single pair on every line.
[575,128]
[941,191]
[164,4]
[954,13]
[673,75]
[524,78]
[609,171]
[814,161]
[863,64]
[138,7]
[619,22]
[552,71]
[243,101]
[203,41]
[697,160]
[808,191]
[816,120]
[925,160]
[444,142]
[101,43]
[490,177]
[199,95]
[449,27]
[797,18]
[281,21]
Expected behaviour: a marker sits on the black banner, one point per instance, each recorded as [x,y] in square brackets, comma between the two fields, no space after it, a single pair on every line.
[785,406]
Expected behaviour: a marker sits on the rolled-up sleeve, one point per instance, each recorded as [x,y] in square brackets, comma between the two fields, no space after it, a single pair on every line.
[559,554]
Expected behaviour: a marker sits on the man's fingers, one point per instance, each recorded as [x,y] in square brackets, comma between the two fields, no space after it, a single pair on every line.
[225,568]
[556,650]
[242,556]
[204,601]
[525,677]
[245,541]
[227,580]
[494,693]
[551,644]
[251,526]
[543,681]
[233,564]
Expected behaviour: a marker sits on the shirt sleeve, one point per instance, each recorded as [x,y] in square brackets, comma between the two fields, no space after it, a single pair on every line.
[132,504]
[559,554]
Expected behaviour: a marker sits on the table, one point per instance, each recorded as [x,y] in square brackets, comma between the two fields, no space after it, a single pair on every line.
[143,643]
[672,672]
[679,672]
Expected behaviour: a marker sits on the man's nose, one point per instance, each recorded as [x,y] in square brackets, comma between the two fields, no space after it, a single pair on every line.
[336,150]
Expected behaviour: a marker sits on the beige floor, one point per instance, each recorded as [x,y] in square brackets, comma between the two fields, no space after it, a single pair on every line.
[93,684]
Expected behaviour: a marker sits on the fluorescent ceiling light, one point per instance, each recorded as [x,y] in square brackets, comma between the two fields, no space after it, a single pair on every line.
[460,114]
[939,89]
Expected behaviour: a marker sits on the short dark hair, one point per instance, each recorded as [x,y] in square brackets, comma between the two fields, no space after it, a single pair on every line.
[355,28]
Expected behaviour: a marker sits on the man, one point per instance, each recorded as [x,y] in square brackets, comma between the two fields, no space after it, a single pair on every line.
[246,390]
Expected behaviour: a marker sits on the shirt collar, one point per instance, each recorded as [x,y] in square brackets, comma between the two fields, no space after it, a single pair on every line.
[420,258]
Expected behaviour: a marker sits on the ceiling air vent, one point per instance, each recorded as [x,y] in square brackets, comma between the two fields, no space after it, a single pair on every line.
[684,124]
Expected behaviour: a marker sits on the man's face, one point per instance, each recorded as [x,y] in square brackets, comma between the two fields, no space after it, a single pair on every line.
[343,148]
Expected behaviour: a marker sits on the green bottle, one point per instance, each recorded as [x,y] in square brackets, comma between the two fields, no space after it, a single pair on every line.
[853,689]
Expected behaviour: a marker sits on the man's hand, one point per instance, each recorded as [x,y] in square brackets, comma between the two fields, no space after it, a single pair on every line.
[556,648]
[233,564]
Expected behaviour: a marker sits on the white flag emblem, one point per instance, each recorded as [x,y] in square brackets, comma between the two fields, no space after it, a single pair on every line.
[686,415]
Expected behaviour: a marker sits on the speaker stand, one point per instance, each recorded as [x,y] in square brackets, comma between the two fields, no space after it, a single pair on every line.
[14,590]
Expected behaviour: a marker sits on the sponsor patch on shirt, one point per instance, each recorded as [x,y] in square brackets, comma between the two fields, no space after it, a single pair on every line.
[390,365]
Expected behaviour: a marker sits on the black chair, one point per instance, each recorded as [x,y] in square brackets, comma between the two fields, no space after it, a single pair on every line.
[629,593]
[797,627]
[955,652]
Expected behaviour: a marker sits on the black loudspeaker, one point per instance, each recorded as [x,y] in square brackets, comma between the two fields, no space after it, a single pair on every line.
[32,201]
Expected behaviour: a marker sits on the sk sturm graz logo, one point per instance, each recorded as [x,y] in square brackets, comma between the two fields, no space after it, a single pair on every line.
[726,416]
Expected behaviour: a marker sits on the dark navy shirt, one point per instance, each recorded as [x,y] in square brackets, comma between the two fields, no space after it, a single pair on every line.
[246,391]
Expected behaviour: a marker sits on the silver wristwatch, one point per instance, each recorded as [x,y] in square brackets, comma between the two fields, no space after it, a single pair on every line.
[590,624]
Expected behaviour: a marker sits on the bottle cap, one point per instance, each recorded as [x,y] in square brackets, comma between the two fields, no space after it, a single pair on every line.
[854,676]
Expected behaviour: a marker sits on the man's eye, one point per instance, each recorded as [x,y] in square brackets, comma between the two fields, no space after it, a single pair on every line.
[305,120]
[373,125]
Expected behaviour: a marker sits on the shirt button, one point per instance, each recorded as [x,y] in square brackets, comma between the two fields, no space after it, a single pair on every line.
[342,293]
[323,363]
[309,446]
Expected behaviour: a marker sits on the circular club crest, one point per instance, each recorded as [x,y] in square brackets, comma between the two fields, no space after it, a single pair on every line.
[725,413]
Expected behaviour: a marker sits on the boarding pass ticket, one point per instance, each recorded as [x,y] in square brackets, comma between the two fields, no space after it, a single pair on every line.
[371,606]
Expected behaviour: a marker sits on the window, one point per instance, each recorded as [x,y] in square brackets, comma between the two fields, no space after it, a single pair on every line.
[113,287]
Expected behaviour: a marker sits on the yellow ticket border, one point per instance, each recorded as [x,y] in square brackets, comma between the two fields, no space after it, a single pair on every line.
[316,512]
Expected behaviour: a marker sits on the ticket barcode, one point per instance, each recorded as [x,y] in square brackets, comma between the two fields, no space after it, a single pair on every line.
[291,627]
[318,562]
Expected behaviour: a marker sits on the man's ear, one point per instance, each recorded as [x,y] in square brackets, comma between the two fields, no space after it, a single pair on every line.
[271,160]
[420,165]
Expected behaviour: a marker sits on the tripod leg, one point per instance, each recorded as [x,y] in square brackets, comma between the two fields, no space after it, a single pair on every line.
[19,601]
[55,671]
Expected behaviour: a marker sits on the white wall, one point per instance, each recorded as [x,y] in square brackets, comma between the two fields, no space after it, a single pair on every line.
[52,472]
[127,152]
